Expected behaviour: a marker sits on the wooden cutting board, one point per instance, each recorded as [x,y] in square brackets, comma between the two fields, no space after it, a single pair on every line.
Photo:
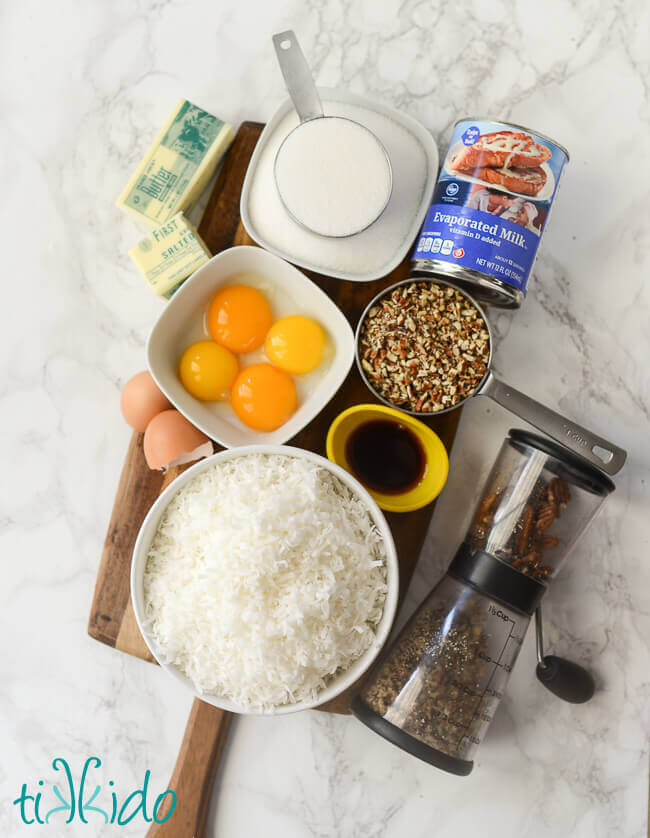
[112,620]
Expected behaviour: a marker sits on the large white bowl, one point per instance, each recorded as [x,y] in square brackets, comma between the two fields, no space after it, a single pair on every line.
[168,339]
[340,682]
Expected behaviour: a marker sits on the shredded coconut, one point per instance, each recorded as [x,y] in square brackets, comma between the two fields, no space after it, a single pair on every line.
[265,578]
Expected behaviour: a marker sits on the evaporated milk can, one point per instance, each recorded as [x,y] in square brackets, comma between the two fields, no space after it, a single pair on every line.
[490,207]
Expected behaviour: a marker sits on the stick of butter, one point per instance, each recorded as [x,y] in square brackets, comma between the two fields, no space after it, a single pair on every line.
[178,166]
[169,254]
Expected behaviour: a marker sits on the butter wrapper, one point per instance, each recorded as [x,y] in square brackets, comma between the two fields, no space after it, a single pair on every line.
[177,166]
[169,254]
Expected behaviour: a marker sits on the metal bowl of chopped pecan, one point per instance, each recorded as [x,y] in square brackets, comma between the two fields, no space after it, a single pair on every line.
[423,346]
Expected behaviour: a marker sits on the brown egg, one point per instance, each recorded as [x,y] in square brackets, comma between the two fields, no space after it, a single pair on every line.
[171,440]
[142,400]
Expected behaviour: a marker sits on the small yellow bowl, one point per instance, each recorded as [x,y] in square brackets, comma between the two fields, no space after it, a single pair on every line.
[437,462]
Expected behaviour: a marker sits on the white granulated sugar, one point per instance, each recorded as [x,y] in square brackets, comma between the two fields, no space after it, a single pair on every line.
[369,250]
[333,176]
[266,577]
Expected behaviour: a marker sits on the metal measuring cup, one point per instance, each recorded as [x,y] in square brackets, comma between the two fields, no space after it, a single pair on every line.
[593,448]
[307,103]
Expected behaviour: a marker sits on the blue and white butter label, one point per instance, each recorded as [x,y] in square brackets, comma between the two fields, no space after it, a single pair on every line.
[492,199]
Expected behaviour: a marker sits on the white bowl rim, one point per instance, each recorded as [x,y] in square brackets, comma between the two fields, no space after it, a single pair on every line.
[342,681]
[344,96]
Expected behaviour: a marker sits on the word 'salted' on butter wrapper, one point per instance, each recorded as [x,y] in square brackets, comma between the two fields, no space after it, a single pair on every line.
[178,165]
[169,254]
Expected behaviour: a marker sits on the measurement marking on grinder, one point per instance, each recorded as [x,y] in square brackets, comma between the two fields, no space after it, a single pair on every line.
[497,663]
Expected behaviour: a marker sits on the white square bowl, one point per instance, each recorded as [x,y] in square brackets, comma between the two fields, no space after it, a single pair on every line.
[166,344]
[363,242]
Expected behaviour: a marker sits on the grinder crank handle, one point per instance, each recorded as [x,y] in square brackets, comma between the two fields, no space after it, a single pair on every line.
[598,451]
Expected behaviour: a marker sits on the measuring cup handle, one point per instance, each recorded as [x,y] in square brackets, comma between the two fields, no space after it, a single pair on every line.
[297,76]
[598,451]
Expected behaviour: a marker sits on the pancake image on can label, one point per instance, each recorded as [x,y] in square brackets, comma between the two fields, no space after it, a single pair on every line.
[489,209]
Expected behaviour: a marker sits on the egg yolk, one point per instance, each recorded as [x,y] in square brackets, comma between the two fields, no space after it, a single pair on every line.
[239,318]
[263,397]
[208,370]
[295,344]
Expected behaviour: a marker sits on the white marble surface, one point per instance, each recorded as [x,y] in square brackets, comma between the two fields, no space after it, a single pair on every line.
[85,86]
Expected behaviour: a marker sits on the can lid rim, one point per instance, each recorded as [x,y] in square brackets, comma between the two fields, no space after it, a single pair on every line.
[485,288]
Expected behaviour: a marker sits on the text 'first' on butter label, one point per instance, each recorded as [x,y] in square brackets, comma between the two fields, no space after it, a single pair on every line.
[178,165]
[169,254]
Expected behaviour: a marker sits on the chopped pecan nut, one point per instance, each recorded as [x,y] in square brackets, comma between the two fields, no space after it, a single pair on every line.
[427,336]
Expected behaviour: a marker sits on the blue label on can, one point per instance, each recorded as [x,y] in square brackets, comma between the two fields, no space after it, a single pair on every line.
[492,199]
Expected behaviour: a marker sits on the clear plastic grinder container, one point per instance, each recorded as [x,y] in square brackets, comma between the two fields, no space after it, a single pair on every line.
[537,501]
[435,692]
